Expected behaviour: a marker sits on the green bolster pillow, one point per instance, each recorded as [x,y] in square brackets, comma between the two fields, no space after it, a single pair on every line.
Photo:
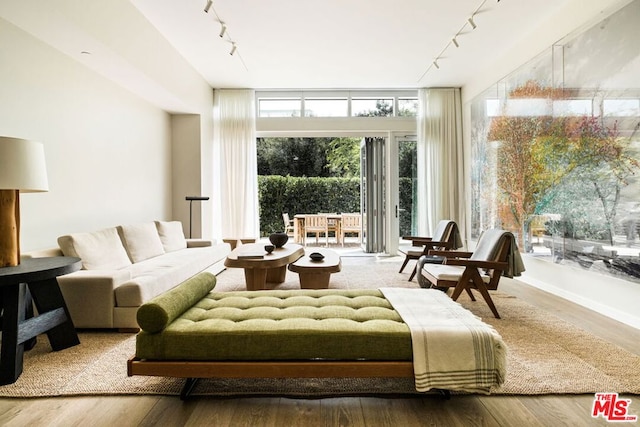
[158,313]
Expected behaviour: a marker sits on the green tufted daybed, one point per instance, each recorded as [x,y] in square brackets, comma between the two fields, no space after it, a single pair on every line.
[191,332]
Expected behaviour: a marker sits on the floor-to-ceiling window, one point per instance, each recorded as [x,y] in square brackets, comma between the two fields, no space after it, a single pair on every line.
[305,175]
[330,118]
[556,151]
[408,185]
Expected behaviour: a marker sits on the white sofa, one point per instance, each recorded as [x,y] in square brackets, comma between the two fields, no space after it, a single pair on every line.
[123,267]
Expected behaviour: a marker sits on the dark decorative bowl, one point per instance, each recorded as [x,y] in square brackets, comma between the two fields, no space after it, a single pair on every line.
[278,239]
[269,248]
[316,256]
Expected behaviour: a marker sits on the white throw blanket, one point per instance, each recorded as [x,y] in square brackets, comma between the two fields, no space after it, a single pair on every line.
[452,348]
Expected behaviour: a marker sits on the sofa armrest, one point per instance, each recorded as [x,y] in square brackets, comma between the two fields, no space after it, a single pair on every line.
[198,243]
[43,253]
[116,277]
[90,297]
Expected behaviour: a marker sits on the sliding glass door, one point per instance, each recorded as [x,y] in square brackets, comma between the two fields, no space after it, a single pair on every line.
[373,180]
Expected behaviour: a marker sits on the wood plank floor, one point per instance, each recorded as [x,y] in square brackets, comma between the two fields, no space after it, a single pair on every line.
[518,411]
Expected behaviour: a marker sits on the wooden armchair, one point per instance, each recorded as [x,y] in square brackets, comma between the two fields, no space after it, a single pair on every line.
[481,269]
[333,225]
[445,236]
[351,223]
[316,224]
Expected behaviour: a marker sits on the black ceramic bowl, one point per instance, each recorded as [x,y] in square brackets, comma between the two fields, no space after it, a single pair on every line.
[269,248]
[316,256]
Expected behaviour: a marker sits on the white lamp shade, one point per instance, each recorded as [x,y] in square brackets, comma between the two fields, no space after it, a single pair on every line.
[22,165]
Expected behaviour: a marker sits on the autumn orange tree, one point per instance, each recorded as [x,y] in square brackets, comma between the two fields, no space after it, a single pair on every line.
[520,174]
[538,154]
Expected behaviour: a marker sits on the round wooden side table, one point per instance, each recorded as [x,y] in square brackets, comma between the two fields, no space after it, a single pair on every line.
[37,277]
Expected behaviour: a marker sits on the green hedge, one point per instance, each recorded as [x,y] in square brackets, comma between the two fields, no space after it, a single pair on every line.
[406,198]
[299,195]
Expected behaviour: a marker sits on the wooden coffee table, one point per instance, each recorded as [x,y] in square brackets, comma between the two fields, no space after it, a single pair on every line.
[260,267]
[316,274]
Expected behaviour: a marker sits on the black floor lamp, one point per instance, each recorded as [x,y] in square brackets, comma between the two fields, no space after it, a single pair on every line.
[191,199]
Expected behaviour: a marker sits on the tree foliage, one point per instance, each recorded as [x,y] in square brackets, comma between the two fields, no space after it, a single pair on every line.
[569,165]
[293,156]
[383,109]
[343,158]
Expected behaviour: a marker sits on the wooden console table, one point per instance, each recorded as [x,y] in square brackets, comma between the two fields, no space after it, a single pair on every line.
[38,277]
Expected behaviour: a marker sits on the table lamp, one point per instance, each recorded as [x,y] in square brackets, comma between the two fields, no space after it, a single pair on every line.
[22,169]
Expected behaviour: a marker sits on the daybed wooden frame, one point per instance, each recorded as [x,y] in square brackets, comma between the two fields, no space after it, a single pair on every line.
[195,370]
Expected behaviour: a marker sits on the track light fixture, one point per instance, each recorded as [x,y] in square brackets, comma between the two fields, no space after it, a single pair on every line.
[224,32]
[454,41]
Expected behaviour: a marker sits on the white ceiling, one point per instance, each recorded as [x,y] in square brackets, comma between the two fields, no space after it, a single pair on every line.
[343,43]
[310,44]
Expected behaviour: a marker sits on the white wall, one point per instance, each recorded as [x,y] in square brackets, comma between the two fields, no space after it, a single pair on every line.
[108,152]
[607,295]
[185,129]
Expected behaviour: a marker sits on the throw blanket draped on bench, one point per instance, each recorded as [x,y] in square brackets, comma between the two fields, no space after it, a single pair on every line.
[452,348]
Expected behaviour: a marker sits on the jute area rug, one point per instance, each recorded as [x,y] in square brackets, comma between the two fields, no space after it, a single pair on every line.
[546,355]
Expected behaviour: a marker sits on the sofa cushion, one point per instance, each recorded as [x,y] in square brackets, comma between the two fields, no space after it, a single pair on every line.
[157,275]
[99,250]
[171,235]
[141,241]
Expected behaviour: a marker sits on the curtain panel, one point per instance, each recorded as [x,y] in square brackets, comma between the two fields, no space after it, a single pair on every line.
[235,164]
[441,184]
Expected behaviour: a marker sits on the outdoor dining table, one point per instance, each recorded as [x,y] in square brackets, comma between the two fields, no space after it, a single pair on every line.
[334,219]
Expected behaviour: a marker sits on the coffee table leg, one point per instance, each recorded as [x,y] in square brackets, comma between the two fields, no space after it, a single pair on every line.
[277,274]
[255,278]
[314,280]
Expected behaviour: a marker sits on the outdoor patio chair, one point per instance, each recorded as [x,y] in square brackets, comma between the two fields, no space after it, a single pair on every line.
[446,236]
[333,224]
[495,255]
[316,224]
[351,223]
[288,224]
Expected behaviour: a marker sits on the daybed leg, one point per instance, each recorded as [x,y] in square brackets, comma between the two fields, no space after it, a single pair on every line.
[189,384]
[446,394]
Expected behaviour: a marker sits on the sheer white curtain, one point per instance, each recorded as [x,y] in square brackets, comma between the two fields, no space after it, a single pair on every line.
[235,164]
[441,191]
